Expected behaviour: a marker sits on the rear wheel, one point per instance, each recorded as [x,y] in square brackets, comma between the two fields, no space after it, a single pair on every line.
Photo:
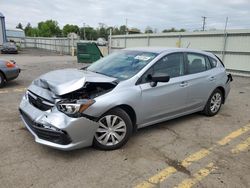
[115,128]
[2,79]
[214,103]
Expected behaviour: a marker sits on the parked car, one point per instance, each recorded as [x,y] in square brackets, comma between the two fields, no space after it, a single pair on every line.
[8,71]
[101,42]
[9,48]
[130,89]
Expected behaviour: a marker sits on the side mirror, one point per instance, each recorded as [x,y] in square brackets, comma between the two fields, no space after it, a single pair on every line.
[158,77]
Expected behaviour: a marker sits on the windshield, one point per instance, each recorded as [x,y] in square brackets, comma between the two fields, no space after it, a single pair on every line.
[123,64]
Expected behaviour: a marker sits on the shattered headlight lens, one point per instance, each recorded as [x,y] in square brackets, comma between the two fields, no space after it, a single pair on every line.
[74,108]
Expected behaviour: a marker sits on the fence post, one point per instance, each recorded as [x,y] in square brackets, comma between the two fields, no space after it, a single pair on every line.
[179,42]
[72,46]
[68,46]
[125,42]
[110,41]
[35,43]
[148,39]
[224,46]
[25,42]
[50,43]
[55,45]
[61,47]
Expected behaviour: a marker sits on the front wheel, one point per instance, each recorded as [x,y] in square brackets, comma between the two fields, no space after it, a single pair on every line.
[214,103]
[115,128]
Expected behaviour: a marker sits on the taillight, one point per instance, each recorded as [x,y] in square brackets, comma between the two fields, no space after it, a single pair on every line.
[9,64]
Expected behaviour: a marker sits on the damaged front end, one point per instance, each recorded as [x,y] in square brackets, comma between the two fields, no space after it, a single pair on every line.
[53,109]
[75,103]
[72,93]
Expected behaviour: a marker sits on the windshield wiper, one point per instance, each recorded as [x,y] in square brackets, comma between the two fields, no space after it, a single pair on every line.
[84,68]
[102,73]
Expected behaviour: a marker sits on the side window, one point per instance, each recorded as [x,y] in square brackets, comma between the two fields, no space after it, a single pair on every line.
[208,64]
[172,64]
[196,63]
[213,62]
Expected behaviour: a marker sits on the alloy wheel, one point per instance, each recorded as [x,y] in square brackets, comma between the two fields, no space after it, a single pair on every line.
[215,102]
[111,131]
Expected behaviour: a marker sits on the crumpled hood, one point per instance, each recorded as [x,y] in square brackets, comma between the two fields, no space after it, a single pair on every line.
[64,81]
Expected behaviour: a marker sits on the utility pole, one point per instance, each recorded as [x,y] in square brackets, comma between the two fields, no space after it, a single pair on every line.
[225,29]
[126,26]
[203,22]
[84,35]
[225,40]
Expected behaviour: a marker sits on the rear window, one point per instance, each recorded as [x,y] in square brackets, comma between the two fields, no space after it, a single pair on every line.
[220,60]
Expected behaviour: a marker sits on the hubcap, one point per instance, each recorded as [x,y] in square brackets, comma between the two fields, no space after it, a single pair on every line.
[112,130]
[215,102]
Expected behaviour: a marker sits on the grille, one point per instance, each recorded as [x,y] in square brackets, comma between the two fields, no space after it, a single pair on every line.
[38,102]
[56,136]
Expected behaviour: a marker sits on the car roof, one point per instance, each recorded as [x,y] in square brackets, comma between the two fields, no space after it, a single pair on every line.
[160,50]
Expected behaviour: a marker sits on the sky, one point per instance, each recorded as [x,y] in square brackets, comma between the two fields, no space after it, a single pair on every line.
[158,14]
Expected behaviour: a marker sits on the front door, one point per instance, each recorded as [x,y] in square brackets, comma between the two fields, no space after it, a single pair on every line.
[165,100]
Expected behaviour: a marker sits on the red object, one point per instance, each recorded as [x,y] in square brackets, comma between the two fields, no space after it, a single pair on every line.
[9,64]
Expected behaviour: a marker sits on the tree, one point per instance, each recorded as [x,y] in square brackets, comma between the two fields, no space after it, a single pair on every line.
[116,31]
[102,32]
[90,33]
[70,29]
[19,26]
[30,31]
[148,30]
[49,28]
[173,30]
[123,29]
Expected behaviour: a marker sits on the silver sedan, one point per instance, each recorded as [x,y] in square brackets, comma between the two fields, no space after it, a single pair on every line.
[104,103]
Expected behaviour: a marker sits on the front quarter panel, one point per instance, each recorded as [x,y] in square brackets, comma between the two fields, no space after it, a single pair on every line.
[128,95]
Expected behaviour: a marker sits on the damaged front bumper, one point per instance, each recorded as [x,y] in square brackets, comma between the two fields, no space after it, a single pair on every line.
[55,129]
[227,86]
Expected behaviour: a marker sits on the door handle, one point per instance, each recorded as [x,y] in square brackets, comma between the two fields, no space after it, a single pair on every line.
[212,78]
[183,84]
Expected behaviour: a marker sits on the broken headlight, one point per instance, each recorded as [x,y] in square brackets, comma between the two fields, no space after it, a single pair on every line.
[74,108]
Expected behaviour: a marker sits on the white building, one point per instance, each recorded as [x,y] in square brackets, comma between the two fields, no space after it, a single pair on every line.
[16,35]
[2,30]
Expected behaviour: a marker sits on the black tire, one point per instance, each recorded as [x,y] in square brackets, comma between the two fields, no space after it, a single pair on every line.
[2,80]
[207,110]
[129,128]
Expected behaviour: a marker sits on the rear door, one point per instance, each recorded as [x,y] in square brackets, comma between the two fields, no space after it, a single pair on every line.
[201,80]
